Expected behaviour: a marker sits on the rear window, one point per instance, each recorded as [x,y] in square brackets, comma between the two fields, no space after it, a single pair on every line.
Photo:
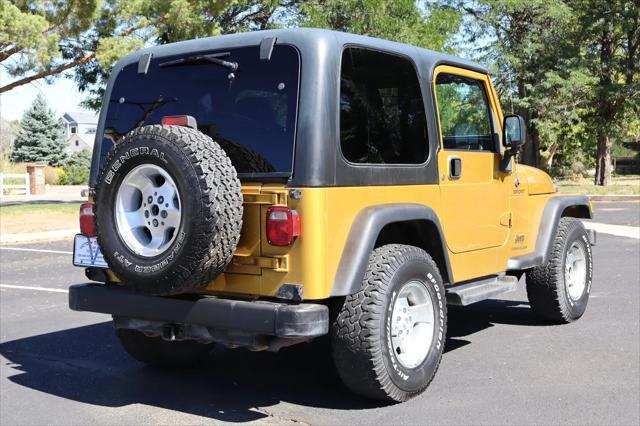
[251,114]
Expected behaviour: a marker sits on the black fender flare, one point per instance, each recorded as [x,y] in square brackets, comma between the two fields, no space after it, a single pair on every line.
[363,235]
[551,215]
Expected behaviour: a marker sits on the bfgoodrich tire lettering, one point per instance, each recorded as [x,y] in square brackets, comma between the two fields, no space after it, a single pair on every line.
[547,288]
[361,333]
[211,209]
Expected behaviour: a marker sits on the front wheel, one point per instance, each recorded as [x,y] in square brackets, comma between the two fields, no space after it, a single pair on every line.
[387,339]
[559,290]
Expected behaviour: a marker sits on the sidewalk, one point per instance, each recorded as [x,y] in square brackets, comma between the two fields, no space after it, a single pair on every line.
[615,197]
[54,194]
[32,237]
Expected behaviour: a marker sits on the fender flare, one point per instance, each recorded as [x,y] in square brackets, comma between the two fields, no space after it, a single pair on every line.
[362,238]
[547,230]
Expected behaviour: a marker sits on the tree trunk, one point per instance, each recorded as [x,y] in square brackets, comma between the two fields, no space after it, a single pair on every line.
[603,159]
[606,107]
[531,150]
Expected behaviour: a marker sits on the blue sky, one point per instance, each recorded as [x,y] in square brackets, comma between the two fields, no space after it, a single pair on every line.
[62,96]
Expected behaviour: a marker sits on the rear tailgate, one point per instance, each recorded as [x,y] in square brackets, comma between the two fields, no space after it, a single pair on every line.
[257,268]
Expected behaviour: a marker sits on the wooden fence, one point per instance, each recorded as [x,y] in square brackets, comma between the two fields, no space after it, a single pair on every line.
[14,184]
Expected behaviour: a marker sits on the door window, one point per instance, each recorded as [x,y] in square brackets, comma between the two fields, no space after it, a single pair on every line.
[465,118]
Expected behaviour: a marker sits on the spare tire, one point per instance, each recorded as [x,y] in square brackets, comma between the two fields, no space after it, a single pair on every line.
[168,210]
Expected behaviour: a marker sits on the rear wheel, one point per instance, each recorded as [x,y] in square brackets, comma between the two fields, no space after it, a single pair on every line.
[387,339]
[160,353]
[559,290]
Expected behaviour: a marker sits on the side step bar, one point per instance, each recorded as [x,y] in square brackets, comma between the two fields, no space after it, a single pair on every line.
[476,291]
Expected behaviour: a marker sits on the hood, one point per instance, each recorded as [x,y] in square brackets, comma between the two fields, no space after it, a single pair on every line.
[537,181]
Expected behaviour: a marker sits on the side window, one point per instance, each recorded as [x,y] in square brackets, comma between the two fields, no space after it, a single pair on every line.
[465,119]
[382,118]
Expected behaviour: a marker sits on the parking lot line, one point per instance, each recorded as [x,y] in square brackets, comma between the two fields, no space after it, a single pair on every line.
[26,287]
[35,250]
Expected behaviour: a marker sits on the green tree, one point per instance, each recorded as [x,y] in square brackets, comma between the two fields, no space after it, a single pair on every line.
[36,37]
[570,67]
[610,37]
[528,46]
[41,39]
[89,36]
[41,137]
[399,20]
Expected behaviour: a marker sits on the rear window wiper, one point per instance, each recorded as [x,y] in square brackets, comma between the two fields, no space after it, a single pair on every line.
[203,59]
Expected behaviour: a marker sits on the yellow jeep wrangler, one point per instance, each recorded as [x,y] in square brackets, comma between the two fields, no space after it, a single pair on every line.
[268,188]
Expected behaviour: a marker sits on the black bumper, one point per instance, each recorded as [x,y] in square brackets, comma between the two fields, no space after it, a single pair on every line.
[257,317]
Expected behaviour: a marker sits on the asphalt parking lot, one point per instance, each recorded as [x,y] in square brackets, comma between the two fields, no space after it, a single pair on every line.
[501,365]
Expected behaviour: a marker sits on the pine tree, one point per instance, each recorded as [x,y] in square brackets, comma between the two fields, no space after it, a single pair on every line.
[41,138]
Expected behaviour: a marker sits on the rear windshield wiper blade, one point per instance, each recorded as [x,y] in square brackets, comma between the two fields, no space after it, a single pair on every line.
[203,59]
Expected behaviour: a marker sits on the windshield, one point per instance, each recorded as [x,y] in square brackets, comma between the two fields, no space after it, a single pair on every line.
[250,112]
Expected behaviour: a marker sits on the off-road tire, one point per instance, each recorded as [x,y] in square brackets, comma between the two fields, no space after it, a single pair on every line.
[546,287]
[211,210]
[156,352]
[360,333]
[245,159]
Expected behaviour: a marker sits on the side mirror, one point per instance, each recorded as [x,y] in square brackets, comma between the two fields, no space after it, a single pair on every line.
[514,131]
[514,134]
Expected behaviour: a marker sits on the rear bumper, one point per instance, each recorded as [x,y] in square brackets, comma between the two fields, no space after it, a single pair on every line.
[304,320]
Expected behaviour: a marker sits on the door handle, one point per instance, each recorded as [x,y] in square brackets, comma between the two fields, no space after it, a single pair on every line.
[455,167]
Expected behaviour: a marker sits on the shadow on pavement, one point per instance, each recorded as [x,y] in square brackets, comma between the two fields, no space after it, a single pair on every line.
[86,364]
[466,320]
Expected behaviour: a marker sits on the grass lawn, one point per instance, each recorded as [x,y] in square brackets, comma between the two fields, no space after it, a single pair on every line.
[622,185]
[24,218]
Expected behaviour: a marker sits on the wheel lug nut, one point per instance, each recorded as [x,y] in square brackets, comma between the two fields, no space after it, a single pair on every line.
[155,222]
[150,199]
[163,213]
[160,199]
[146,213]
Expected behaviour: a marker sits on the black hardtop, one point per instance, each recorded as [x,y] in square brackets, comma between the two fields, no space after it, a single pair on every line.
[305,39]
[317,157]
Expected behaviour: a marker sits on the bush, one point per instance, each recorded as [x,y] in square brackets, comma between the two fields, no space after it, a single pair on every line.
[74,175]
[52,175]
[75,170]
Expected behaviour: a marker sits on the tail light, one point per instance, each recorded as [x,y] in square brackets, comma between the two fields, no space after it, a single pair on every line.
[283,226]
[87,227]
[180,120]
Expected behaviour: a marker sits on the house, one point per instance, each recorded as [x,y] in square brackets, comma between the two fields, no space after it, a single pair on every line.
[80,130]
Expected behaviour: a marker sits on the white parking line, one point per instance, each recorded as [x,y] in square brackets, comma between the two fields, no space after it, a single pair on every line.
[617,230]
[35,250]
[26,287]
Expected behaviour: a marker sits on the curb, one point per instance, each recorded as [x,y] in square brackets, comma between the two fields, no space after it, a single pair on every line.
[614,197]
[62,234]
